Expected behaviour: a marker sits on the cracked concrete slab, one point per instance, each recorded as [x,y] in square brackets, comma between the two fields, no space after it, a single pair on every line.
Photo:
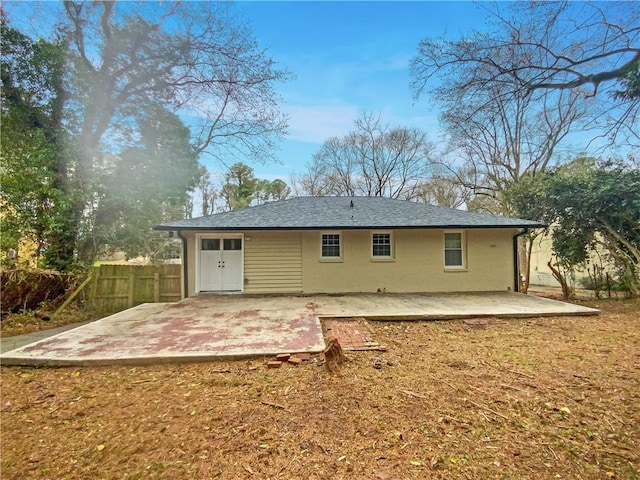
[209,327]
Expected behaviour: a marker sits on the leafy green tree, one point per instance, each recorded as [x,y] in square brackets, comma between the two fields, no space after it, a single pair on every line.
[589,203]
[277,190]
[35,192]
[240,186]
[86,100]
[242,189]
[267,191]
[144,185]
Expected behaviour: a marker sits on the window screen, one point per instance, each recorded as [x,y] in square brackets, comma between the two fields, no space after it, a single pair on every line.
[453,256]
[381,244]
[330,245]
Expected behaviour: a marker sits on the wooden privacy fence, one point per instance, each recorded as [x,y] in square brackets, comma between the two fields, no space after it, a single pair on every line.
[118,287]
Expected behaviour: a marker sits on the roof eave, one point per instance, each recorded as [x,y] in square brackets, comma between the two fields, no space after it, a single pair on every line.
[343,227]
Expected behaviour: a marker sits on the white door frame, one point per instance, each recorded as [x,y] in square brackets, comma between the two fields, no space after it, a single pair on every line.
[222,236]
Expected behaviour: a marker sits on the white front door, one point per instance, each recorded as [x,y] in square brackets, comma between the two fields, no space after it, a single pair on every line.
[220,264]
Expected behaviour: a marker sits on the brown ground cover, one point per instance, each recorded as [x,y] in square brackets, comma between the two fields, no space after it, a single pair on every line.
[538,398]
[21,323]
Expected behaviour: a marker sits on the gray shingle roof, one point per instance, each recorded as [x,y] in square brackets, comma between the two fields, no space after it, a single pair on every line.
[315,213]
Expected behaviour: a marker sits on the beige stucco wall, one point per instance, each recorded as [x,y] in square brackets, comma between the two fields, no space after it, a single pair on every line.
[542,252]
[417,264]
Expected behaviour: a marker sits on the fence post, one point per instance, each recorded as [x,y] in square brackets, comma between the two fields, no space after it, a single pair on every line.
[94,288]
[156,287]
[132,283]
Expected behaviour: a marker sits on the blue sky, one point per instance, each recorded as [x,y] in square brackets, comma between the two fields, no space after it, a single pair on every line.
[348,58]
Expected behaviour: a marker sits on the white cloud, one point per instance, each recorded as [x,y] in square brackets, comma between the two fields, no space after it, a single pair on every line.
[317,123]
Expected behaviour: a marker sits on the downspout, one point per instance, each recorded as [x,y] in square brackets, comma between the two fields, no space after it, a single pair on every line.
[516,263]
[185,264]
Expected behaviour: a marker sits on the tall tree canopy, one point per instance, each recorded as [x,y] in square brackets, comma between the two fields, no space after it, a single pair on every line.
[241,188]
[502,129]
[500,141]
[111,103]
[33,172]
[374,160]
[588,204]
[541,47]
[197,58]
[145,184]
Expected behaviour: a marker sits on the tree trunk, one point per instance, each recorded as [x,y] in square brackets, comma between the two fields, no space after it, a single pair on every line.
[63,226]
[557,274]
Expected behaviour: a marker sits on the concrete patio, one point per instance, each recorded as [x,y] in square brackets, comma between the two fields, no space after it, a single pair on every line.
[209,327]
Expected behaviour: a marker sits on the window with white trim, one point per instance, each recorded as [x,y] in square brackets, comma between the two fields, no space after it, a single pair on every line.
[381,245]
[454,250]
[330,246]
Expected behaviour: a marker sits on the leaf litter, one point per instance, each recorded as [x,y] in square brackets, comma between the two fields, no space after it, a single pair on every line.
[537,398]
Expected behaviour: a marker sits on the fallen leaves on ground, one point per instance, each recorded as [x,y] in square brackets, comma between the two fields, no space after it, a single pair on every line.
[21,323]
[508,398]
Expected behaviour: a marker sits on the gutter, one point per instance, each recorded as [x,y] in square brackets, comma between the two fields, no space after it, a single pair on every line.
[185,264]
[516,264]
[218,228]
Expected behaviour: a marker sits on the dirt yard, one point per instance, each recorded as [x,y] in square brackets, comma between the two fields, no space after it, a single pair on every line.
[540,398]
[21,323]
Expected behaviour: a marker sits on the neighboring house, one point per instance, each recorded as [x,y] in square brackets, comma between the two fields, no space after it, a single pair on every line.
[348,245]
[542,253]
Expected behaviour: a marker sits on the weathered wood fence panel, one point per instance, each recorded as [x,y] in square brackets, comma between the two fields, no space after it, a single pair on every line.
[118,287]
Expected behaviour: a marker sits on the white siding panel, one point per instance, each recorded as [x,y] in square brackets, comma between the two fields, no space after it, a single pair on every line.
[273,262]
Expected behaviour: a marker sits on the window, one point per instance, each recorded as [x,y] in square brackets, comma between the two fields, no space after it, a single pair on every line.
[453,250]
[210,244]
[233,244]
[381,245]
[330,245]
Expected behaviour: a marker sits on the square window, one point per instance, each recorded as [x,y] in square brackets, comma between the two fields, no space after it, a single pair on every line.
[381,245]
[330,245]
[453,250]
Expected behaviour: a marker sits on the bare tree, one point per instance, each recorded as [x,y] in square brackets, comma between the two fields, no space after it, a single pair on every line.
[592,49]
[373,160]
[125,59]
[502,141]
[198,59]
[498,134]
[444,188]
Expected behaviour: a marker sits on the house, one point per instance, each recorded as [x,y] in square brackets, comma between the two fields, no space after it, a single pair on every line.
[348,245]
[577,275]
